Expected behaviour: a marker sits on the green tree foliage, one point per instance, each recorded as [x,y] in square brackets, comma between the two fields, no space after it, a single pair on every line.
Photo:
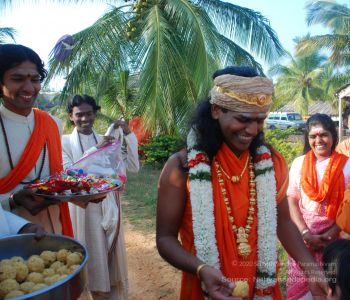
[172,47]
[336,18]
[280,140]
[299,82]
[160,147]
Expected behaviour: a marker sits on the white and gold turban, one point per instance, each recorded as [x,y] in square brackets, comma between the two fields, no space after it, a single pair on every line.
[242,94]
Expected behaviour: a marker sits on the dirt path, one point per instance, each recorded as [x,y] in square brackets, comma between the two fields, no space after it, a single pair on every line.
[150,277]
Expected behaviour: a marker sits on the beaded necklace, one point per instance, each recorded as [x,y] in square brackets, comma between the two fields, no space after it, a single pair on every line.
[242,233]
[80,143]
[234,178]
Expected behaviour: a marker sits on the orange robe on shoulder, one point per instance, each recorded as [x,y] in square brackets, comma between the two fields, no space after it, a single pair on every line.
[232,266]
[344,147]
[45,132]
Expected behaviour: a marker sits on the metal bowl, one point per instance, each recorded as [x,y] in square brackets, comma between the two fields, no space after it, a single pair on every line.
[25,245]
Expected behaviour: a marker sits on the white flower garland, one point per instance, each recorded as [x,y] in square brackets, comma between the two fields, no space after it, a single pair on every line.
[201,192]
[201,195]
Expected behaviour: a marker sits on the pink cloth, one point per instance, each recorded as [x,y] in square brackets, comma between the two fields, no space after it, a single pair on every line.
[297,284]
[315,218]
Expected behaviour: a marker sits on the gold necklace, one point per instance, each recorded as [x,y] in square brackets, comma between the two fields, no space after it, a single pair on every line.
[234,178]
[242,233]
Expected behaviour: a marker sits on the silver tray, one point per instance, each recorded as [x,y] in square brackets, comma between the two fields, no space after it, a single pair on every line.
[67,198]
[25,245]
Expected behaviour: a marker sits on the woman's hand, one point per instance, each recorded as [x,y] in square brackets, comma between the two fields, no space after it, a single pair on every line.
[316,242]
[218,287]
[30,201]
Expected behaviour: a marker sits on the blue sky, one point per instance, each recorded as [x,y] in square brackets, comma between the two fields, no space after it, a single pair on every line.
[39,26]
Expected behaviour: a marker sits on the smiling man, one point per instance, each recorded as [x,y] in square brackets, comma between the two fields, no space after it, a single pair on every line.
[30,143]
[99,226]
[225,197]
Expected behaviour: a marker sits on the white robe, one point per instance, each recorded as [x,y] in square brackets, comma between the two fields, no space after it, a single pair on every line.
[18,130]
[105,268]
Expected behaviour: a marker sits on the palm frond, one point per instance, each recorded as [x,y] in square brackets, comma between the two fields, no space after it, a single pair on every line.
[335,17]
[330,14]
[246,27]
[7,33]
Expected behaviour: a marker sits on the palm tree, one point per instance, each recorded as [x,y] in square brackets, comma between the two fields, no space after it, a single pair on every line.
[6,33]
[173,47]
[335,17]
[177,46]
[331,79]
[299,82]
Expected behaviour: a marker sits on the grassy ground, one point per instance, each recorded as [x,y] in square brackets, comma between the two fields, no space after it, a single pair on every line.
[139,206]
[140,197]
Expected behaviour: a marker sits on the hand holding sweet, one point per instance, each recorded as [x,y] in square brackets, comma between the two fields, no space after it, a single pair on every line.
[218,287]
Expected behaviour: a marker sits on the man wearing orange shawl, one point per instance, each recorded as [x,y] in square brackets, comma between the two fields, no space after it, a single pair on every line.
[30,140]
[316,190]
[225,196]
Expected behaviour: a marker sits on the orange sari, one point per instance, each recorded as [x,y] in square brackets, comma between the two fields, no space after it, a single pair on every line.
[332,184]
[232,266]
[45,132]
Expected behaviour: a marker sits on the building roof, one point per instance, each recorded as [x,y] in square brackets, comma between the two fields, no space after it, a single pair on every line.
[316,107]
[343,92]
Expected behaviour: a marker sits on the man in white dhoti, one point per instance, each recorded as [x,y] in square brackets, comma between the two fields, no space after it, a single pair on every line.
[99,226]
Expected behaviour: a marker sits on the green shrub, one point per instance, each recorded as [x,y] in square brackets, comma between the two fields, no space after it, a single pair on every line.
[160,148]
[278,138]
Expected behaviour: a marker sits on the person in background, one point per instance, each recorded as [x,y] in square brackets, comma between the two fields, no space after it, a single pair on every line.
[336,264]
[344,146]
[343,212]
[317,182]
[99,227]
[30,142]
[224,197]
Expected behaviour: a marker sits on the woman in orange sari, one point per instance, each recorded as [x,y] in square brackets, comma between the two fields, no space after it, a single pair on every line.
[316,189]
[225,196]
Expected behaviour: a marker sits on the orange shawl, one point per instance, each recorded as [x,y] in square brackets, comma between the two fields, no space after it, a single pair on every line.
[45,131]
[332,185]
[344,147]
[232,266]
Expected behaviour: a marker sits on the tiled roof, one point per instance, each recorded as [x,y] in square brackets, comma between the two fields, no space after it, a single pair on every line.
[316,107]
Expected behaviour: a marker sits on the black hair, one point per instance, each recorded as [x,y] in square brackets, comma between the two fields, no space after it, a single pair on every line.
[243,71]
[327,123]
[78,100]
[208,131]
[12,55]
[336,265]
